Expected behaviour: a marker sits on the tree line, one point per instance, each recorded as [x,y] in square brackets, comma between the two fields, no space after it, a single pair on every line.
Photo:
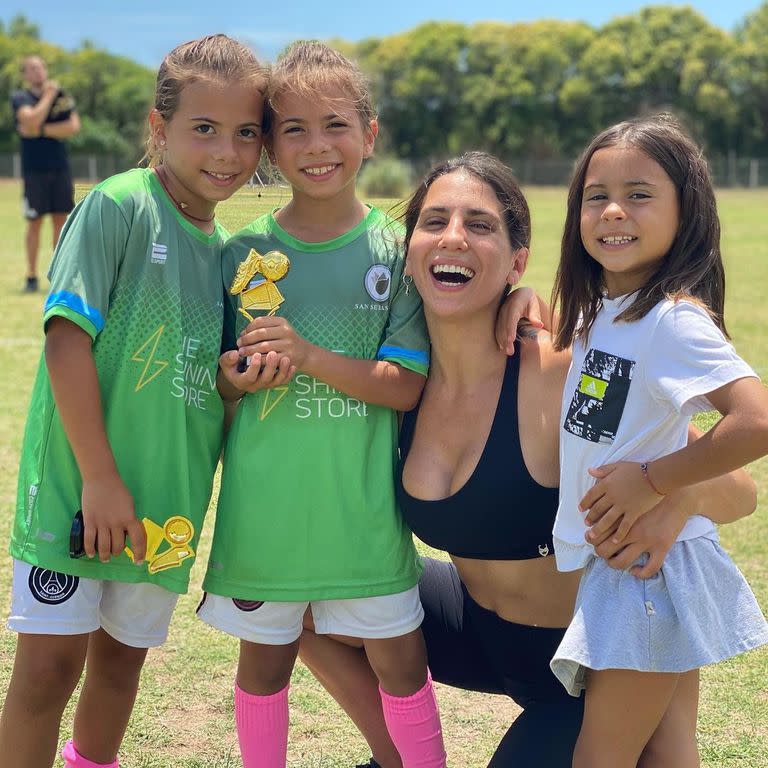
[539,89]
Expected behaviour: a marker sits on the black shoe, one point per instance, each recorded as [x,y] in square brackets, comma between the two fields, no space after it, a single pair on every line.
[370,764]
[31,286]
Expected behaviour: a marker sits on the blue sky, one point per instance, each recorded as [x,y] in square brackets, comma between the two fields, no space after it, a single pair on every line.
[145,30]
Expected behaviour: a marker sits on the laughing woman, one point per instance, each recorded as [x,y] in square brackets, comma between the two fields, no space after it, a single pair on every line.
[478,479]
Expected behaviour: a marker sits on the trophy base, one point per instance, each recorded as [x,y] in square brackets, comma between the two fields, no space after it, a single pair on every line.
[244,362]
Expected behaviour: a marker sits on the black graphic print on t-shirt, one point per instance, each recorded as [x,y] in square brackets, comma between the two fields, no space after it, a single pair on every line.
[598,402]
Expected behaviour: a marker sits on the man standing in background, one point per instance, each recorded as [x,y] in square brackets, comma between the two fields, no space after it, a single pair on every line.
[44,116]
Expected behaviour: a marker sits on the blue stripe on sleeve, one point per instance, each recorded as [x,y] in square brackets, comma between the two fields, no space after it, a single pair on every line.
[76,304]
[405,354]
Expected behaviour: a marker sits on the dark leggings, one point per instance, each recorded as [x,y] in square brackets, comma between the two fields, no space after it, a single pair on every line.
[472,648]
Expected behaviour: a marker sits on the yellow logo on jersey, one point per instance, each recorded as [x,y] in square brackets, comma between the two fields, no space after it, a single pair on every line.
[141,356]
[266,406]
[592,386]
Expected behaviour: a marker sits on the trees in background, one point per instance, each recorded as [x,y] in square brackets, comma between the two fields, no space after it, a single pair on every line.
[542,89]
[748,68]
[535,90]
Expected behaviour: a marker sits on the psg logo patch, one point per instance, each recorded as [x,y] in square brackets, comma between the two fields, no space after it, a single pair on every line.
[50,587]
[378,281]
[247,605]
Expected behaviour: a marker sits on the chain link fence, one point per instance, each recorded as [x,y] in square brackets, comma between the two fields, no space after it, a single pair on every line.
[727,171]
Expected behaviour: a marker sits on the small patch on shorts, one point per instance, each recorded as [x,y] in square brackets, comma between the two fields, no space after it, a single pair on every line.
[51,587]
[29,212]
[247,605]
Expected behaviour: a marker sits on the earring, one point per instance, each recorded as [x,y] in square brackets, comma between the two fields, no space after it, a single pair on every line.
[407,282]
[162,142]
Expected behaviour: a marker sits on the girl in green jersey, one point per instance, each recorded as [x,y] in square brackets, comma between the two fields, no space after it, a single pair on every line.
[125,421]
[306,513]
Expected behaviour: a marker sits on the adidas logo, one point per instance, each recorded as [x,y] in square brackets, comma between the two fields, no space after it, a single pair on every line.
[159,253]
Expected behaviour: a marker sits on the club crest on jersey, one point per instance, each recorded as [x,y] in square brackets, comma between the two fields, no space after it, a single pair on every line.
[247,605]
[51,587]
[378,281]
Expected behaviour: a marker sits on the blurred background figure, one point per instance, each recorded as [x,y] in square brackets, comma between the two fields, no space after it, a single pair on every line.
[44,115]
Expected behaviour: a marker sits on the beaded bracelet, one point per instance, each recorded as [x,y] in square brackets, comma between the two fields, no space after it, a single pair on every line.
[644,470]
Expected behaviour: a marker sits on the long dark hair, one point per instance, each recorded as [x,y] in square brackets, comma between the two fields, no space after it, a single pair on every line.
[693,267]
[499,177]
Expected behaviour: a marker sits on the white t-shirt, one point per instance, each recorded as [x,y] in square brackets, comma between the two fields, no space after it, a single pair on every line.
[629,396]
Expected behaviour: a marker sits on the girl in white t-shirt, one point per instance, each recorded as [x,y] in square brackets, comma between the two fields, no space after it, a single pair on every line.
[641,288]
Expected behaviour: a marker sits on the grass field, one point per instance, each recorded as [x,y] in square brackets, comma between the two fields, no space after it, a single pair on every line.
[183,716]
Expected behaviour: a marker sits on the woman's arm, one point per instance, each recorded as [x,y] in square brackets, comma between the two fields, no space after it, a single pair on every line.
[624,491]
[740,437]
[723,499]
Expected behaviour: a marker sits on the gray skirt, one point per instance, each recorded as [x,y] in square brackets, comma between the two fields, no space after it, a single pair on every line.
[697,610]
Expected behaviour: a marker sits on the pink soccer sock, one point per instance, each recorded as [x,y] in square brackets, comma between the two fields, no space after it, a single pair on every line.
[262,728]
[73,759]
[413,723]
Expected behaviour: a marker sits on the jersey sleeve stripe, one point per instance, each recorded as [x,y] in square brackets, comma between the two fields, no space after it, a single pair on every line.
[72,307]
[412,359]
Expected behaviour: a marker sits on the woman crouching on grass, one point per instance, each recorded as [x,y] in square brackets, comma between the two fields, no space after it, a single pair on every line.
[478,478]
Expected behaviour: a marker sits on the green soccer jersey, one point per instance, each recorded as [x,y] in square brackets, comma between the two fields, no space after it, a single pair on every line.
[307,508]
[146,286]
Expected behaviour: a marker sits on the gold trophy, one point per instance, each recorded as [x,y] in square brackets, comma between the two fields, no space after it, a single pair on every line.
[255,284]
[176,533]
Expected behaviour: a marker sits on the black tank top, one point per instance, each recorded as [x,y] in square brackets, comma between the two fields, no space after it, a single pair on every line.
[501,512]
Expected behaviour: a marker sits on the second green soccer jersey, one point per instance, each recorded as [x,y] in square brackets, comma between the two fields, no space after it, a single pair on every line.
[307,508]
[146,286]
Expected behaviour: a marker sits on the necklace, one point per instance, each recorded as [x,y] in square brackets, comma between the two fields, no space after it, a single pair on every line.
[181,206]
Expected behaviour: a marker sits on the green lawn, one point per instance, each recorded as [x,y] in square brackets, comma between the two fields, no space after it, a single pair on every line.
[183,716]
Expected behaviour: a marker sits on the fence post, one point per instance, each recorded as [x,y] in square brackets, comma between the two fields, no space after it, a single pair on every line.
[754,172]
[732,174]
[92,169]
[16,165]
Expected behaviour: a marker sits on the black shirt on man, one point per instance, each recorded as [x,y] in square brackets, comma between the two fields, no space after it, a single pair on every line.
[40,155]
